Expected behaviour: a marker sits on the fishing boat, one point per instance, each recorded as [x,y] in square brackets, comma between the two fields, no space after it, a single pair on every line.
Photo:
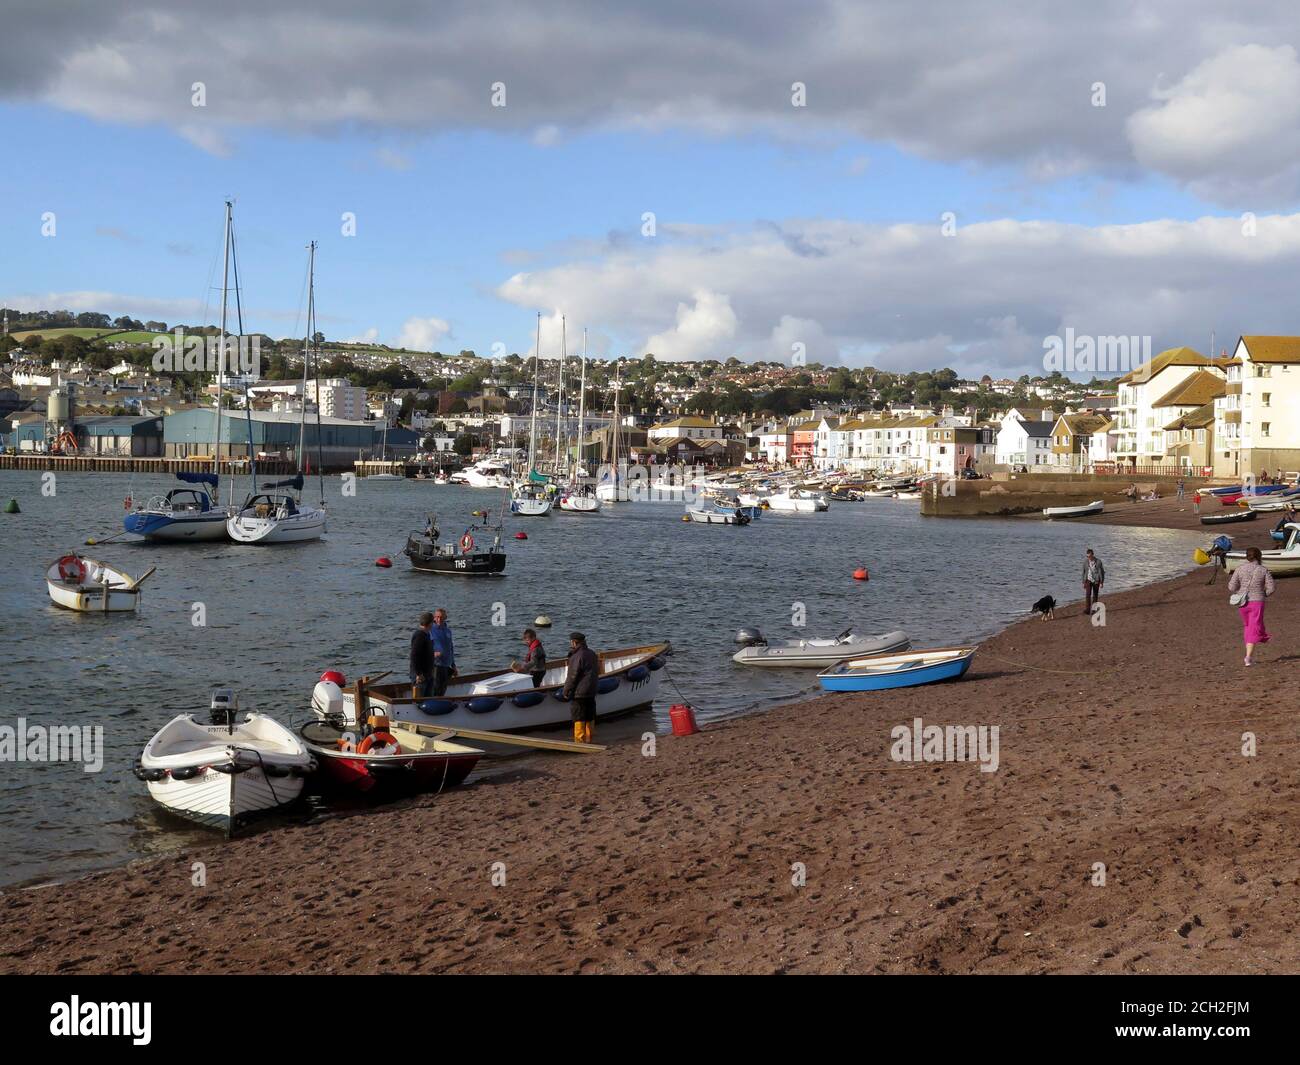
[183,514]
[1281,562]
[463,558]
[1095,507]
[757,650]
[504,701]
[386,760]
[224,773]
[90,586]
[712,516]
[1229,518]
[879,672]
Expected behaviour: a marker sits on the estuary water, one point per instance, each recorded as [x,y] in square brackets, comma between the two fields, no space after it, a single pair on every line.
[275,617]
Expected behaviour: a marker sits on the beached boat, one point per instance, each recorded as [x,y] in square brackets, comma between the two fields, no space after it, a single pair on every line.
[878,672]
[90,586]
[396,761]
[224,773]
[1281,562]
[1095,507]
[1229,518]
[183,514]
[504,701]
[757,650]
[461,558]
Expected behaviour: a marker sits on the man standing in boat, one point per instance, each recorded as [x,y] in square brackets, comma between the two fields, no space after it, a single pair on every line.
[1094,576]
[444,653]
[421,663]
[534,662]
[580,687]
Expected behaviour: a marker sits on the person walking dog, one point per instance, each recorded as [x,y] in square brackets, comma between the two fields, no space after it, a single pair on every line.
[1250,585]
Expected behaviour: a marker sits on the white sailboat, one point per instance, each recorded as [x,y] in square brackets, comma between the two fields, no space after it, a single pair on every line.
[579,498]
[530,498]
[383,457]
[224,773]
[273,515]
[612,484]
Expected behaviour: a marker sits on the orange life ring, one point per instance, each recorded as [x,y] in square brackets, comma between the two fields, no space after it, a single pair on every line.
[71,568]
[467,542]
[126,503]
[386,738]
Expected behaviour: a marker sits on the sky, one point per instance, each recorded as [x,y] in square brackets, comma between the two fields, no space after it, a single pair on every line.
[890,184]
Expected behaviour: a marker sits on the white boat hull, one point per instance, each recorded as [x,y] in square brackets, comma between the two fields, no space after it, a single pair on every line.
[175,528]
[716,517]
[98,589]
[613,493]
[1278,563]
[579,504]
[530,508]
[819,654]
[306,524]
[1095,507]
[792,504]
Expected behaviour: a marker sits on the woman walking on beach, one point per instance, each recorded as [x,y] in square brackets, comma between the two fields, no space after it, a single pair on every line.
[1253,582]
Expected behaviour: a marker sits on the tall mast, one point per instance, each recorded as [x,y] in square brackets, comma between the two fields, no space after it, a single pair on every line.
[221,346]
[306,351]
[532,427]
[582,397]
[315,364]
[559,403]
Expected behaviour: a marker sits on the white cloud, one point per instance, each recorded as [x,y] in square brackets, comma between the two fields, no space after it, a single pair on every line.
[703,329]
[368,337]
[423,334]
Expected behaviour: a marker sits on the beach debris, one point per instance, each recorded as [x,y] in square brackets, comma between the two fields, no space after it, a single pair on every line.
[12,506]
[682,715]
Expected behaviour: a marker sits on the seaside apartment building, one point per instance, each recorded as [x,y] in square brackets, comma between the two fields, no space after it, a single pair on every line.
[1150,397]
[1257,419]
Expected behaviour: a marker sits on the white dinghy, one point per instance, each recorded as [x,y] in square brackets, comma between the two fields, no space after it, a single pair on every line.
[225,773]
[1095,507]
[757,650]
[90,586]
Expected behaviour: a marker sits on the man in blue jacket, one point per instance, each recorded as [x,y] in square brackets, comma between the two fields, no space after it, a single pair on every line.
[444,653]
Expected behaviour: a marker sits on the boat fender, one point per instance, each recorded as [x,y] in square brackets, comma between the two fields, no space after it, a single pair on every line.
[232,768]
[656,663]
[638,672]
[71,568]
[188,772]
[386,741]
[483,705]
[149,775]
[436,707]
[527,699]
[606,685]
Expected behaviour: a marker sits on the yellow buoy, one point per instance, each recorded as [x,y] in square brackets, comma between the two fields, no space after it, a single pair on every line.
[1200,557]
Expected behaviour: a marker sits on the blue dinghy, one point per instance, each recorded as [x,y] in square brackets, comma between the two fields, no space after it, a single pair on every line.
[878,672]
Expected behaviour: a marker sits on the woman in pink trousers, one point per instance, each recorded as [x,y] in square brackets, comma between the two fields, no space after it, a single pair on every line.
[1255,582]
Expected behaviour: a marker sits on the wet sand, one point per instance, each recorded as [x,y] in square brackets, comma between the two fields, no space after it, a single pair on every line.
[1119,745]
[1172,513]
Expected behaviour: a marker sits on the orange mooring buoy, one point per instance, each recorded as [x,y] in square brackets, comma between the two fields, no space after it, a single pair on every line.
[521,535]
[861,574]
[383,562]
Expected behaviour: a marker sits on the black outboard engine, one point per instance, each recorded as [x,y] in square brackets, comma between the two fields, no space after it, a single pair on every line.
[750,638]
[223,707]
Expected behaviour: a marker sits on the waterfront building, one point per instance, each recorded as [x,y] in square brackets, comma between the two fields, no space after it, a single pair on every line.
[1257,419]
[191,434]
[1141,425]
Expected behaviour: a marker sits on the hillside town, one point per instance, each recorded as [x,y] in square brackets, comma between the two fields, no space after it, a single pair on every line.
[89,389]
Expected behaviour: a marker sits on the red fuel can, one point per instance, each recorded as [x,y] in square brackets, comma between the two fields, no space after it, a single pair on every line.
[682,715]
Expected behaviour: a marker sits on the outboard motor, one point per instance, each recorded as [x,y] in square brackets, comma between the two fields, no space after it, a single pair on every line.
[750,638]
[327,702]
[221,710]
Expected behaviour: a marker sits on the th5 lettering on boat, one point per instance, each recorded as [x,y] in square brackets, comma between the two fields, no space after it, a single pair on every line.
[132,1019]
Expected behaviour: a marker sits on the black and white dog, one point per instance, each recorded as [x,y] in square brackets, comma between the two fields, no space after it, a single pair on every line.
[1045,607]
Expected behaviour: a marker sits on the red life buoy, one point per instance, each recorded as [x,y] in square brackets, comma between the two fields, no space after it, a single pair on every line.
[71,568]
[126,503]
[467,543]
[384,738]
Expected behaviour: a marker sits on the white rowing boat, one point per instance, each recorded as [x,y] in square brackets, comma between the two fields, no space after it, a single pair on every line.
[1095,507]
[90,586]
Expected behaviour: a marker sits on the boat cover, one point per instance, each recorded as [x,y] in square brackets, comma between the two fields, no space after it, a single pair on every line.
[198,478]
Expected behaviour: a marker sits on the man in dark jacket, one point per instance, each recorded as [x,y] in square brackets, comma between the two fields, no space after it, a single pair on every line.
[1094,576]
[580,687]
[421,662]
[534,662]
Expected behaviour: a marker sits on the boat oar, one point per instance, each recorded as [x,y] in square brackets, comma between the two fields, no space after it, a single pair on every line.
[132,584]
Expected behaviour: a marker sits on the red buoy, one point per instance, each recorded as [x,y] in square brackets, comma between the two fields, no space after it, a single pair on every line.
[521,536]
[860,574]
[682,715]
[335,677]
[383,562]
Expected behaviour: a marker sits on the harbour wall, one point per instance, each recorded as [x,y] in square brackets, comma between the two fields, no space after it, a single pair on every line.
[1028,493]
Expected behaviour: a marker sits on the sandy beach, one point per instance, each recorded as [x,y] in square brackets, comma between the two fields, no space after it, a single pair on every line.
[1119,744]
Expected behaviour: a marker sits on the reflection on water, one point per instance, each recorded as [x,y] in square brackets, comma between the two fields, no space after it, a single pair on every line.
[278,616]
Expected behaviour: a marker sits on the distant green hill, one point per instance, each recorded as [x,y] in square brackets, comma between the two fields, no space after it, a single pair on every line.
[130,336]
